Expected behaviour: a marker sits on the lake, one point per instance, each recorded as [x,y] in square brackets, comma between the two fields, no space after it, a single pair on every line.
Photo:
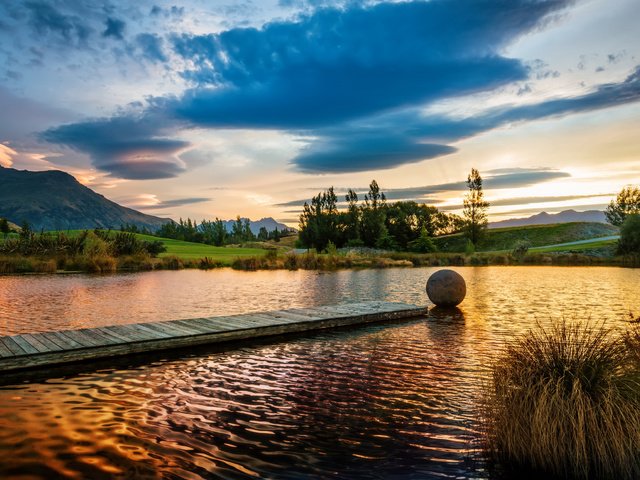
[388,401]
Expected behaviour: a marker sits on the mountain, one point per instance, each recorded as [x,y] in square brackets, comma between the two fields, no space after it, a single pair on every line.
[54,200]
[545,218]
[269,223]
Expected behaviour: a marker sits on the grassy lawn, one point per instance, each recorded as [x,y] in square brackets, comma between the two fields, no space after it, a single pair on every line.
[597,244]
[189,250]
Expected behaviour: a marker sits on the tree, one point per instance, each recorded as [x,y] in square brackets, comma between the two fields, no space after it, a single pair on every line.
[319,222]
[351,219]
[422,244]
[373,216]
[263,234]
[629,243]
[475,208]
[627,202]
[4,227]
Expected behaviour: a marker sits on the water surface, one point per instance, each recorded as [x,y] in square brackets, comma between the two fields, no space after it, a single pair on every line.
[396,400]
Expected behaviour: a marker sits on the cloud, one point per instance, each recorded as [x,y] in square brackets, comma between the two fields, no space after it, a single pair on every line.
[6,155]
[126,147]
[151,202]
[356,151]
[27,116]
[114,28]
[47,20]
[349,81]
[408,130]
[150,46]
[339,64]
[492,179]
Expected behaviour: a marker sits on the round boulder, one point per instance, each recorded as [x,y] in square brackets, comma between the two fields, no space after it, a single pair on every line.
[446,288]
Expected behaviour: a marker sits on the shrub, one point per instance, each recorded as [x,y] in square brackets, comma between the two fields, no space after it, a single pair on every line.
[207,263]
[95,246]
[172,263]
[565,401]
[139,262]
[520,249]
[154,248]
[470,248]
[629,243]
[422,244]
[291,261]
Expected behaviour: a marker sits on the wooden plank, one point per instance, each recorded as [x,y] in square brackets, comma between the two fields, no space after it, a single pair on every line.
[54,348]
[41,338]
[81,337]
[63,340]
[115,334]
[184,328]
[36,342]
[222,323]
[131,333]
[155,333]
[12,346]
[24,344]
[171,332]
[199,327]
[4,351]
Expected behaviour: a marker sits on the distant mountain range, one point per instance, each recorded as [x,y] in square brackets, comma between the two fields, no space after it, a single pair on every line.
[269,223]
[54,200]
[545,218]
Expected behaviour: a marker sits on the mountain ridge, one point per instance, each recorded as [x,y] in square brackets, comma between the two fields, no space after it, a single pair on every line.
[55,200]
[544,218]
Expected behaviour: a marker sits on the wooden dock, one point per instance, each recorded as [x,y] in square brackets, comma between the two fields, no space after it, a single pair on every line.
[38,350]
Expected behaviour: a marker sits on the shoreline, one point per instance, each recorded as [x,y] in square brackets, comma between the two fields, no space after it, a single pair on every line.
[18,265]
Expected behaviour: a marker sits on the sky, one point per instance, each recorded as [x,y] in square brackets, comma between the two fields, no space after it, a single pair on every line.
[213,108]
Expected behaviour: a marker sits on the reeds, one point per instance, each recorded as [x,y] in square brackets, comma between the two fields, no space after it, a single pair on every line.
[565,401]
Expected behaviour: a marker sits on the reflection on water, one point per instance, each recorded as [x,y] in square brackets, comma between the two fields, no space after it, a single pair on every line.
[383,401]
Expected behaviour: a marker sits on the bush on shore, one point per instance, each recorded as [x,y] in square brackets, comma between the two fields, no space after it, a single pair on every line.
[565,402]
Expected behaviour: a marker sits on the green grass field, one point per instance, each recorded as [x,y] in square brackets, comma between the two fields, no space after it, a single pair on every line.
[505,239]
[194,251]
[595,245]
[189,250]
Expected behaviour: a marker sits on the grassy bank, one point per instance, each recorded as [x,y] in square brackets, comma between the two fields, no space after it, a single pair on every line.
[108,251]
[258,255]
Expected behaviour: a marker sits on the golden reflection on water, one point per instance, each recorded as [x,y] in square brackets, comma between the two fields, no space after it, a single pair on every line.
[53,302]
[394,400]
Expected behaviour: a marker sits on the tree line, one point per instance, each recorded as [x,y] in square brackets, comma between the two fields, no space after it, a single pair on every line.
[376,223]
[212,232]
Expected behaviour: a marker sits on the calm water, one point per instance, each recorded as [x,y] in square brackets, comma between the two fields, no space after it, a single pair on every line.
[391,401]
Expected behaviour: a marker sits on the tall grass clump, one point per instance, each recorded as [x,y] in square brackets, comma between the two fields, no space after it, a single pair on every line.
[564,402]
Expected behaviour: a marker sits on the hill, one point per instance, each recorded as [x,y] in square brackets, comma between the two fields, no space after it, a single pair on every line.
[536,235]
[54,200]
[544,218]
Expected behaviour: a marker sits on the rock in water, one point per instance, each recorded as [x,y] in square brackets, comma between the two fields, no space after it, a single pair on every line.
[446,288]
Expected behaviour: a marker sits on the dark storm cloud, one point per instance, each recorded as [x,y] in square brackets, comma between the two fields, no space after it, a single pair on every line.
[415,130]
[339,64]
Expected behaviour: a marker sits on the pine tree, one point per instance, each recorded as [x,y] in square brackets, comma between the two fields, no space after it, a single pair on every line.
[475,209]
